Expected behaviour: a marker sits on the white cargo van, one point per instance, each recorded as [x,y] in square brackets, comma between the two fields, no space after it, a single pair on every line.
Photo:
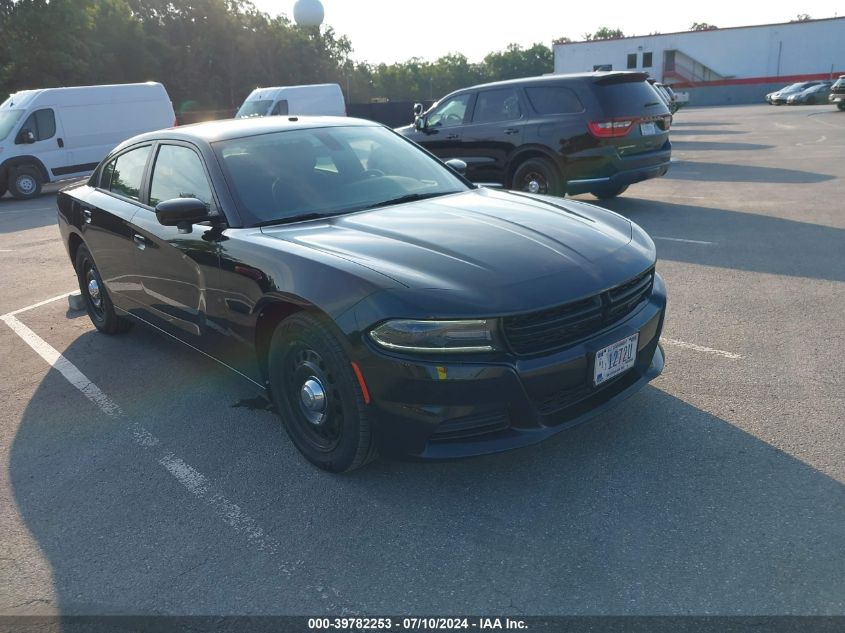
[58,133]
[316,99]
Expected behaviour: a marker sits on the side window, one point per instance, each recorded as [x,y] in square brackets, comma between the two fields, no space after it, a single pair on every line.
[450,113]
[497,105]
[632,60]
[647,60]
[554,100]
[105,177]
[128,172]
[281,108]
[178,173]
[42,123]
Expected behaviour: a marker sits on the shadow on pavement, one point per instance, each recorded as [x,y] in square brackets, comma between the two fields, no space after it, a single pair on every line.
[715,145]
[803,249]
[655,507]
[724,172]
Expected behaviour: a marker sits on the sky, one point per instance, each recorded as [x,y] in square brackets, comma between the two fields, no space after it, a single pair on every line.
[396,30]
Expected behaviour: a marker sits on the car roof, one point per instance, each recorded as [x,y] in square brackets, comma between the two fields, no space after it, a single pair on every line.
[226,129]
[555,77]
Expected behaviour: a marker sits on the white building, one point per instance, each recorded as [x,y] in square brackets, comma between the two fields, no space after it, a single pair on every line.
[732,65]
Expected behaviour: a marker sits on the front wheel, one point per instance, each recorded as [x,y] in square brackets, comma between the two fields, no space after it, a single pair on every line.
[841,106]
[537,175]
[97,301]
[609,192]
[25,182]
[318,396]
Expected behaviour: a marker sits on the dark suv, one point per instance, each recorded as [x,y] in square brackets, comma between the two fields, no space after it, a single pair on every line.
[592,132]
[837,93]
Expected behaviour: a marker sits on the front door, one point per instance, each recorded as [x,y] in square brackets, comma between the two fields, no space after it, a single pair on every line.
[48,144]
[176,268]
[444,127]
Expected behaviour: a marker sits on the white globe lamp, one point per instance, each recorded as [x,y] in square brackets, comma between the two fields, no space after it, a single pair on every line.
[308,12]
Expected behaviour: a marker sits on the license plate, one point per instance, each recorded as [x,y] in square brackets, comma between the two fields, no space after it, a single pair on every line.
[615,359]
[648,129]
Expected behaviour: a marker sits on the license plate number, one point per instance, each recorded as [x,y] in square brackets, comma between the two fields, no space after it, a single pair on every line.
[648,129]
[615,359]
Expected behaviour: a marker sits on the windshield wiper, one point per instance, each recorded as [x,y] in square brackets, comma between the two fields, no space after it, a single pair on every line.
[294,218]
[411,197]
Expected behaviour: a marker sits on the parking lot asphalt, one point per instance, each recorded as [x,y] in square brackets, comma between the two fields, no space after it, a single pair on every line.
[718,489]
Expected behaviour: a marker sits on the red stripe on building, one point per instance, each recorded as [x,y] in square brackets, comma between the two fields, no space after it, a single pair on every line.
[783,79]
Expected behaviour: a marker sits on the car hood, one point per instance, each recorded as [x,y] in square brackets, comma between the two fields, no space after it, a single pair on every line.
[486,245]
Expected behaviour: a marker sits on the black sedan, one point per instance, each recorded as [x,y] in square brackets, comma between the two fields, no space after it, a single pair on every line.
[384,302]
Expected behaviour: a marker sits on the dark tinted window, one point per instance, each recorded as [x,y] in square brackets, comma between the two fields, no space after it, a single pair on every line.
[178,173]
[646,60]
[281,108]
[554,100]
[42,123]
[497,105]
[128,172]
[105,177]
[632,60]
[629,98]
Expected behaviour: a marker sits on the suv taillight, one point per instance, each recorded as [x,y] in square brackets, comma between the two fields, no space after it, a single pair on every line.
[610,129]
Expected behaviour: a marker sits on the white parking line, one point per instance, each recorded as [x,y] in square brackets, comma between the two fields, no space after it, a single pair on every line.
[678,239]
[191,479]
[701,348]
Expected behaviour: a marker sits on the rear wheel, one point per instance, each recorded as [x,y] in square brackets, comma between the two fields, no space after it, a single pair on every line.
[841,106]
[609,192]
[537,175]
[97,301]
[25,182]
[318,396]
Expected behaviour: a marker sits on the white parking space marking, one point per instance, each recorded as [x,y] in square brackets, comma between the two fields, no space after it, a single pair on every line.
[685,241]
[192,480]
[38,305]
[701,348]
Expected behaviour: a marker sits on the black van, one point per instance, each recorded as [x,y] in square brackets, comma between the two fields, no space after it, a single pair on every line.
[592,132]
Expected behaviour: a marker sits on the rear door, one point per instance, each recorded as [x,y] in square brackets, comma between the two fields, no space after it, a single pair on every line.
[175,267]
[495,130]
[107,213]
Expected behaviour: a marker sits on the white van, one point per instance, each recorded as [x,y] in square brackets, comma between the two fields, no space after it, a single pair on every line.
[58,133]
[316,99]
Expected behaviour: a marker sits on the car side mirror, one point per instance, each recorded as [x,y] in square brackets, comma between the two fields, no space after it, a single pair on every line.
[418,109]
[420,123]
[26,137]
[182,213]
[457,165]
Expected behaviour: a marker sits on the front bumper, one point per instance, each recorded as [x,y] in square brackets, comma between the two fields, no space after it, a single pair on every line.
[432,410]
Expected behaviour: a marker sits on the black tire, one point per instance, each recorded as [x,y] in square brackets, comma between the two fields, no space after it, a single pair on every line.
[98,304]
[841,106]
[305,355]
[3,190]
[609,192]
[25,182]
[537,175]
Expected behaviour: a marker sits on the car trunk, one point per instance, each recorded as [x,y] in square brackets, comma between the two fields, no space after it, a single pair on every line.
[633,117]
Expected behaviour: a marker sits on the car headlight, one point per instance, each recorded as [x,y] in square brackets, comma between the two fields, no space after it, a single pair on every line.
[471,335]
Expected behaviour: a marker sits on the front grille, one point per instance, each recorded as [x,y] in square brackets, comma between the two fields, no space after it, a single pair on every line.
[555,328]
[471,426]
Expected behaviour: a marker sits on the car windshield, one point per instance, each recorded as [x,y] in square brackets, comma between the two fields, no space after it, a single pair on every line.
[316,172]
[8,118]
[254,108]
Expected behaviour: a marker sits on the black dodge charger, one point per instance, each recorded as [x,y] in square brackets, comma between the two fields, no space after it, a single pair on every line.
[384,302]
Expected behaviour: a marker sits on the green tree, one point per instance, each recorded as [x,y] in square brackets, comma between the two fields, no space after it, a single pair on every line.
[604,33]
[702,26]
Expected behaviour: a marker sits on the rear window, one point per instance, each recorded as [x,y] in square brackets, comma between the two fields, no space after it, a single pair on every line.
[554,100]
[630,98]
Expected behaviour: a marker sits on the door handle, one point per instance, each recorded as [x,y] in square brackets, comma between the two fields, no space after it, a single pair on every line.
[511,130]
[86,213]
[140,241]
[60,142]
[452,137]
